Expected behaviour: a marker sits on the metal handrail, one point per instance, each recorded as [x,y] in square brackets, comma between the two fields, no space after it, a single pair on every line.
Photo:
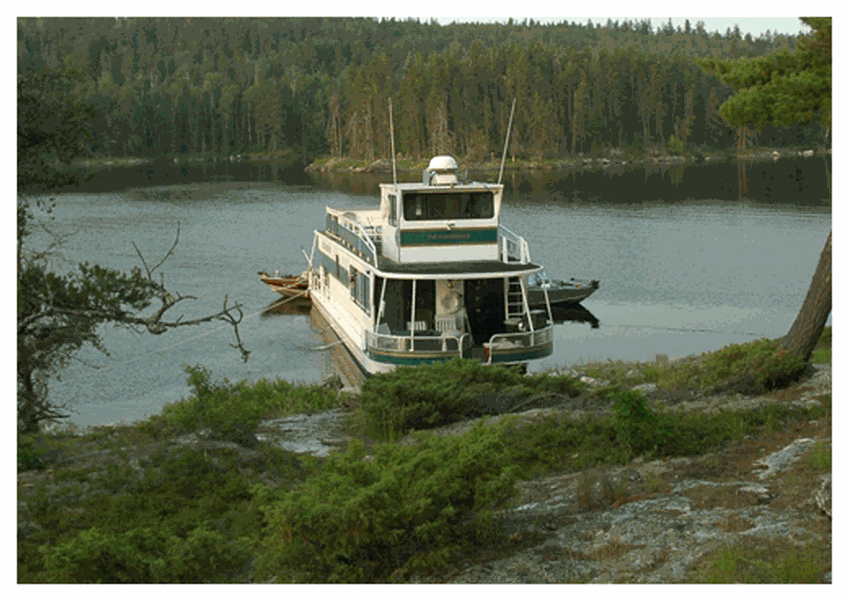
[357,230]
[523,338]
[408,343]
[507,239]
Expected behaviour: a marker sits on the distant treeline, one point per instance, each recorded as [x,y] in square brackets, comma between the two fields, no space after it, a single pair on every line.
[321,86]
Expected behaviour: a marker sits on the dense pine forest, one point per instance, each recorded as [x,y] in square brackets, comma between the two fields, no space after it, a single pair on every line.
[321,86]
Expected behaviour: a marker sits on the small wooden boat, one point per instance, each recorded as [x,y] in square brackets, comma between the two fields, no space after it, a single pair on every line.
[289,286]
[560,292]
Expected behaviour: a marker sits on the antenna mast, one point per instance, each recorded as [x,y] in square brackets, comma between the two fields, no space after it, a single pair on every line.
[506,142]
[394,156]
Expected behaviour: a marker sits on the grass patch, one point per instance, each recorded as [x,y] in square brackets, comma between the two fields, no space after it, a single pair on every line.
[765,561]
[820,456]
[822,353]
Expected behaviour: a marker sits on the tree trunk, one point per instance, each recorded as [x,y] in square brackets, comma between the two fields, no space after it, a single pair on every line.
[809,324]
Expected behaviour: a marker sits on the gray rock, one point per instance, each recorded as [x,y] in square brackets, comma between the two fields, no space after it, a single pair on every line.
[646,388]
[822,499]
[780,460]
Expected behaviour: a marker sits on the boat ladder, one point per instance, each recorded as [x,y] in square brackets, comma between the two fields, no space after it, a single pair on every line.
[514,298]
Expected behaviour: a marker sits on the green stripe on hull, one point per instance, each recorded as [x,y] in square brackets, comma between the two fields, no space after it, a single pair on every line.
[410,359]
[442,237]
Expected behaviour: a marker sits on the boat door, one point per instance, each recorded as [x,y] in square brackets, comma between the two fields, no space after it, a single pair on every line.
[485,307]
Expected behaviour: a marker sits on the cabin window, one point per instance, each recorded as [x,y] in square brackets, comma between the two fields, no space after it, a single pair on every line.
[438,206]
[359,289]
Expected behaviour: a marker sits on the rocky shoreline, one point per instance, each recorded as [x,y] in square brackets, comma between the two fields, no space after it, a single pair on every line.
[650,522]
[655,522]
[615,159]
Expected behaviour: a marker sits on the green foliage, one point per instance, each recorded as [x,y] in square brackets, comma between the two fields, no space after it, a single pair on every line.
[406,510]
[32,452]
[821,456]
[632,429]
[637,427]
[144,555]
[430,396]
[318,86]
[759,562]
[823,353]
[783,88]
[233,411]
[59,314]
[750,368]
[188,516]
[675,146]
[196,513]
[53,127]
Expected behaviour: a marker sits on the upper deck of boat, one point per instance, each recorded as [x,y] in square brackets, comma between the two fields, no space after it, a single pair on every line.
[465,186]
[481,269]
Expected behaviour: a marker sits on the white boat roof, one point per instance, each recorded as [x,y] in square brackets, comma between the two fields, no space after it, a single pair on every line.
[481,269]
[471,185]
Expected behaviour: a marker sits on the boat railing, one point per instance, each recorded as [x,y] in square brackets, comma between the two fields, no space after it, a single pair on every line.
[354,235]
[513,248]
[420,342]
[526,339]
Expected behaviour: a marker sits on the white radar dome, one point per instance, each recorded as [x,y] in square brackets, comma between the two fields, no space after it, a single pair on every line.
[442,163]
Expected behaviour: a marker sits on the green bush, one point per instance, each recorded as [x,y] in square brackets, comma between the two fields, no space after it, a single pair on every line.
[233,411]
[632,429]
[428,396]
[32,452]
[181,490]
[144,555]
[637,427]
[751,368]
[410,509]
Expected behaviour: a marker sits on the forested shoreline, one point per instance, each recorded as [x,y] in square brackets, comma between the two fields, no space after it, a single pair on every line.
[312,87]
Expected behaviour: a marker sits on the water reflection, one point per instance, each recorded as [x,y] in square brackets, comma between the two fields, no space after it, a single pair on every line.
[794,182]
[574,313]
[287,306]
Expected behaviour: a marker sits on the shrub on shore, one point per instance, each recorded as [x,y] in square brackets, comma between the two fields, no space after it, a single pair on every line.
[233,411]
[426,396]
[409,509]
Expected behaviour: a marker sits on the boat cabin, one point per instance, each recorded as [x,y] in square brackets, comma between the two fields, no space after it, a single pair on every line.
[430,275]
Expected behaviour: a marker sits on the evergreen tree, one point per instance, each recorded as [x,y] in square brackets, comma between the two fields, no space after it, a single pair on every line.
[784,89]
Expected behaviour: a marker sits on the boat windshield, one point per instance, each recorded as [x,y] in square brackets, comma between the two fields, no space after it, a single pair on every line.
[537,279]
[435,206]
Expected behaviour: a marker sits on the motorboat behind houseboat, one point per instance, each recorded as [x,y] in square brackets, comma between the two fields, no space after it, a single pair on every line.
[429,276]
[558,292]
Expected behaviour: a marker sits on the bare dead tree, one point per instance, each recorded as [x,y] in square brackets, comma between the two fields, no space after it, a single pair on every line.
[59,314]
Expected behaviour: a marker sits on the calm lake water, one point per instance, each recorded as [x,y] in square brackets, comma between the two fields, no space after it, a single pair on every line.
[689,258]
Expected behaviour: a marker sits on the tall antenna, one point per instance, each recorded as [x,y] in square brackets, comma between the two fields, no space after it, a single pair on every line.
[394,156]
[506,142]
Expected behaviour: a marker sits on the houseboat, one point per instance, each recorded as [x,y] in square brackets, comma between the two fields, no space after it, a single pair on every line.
[429,276]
